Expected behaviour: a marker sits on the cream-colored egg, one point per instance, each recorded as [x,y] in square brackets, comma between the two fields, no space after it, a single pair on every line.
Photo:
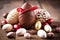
[21,31]
[38,25]
[41,33]
[7,27]
[27,35]
[12,17]
[47,28]
[11,34]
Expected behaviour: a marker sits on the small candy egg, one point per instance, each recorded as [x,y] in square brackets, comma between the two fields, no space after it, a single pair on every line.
[57,29]
[50,20]
[11,34]
[7,27]
[41,33]
[21,31]
[27,35]
[38,25]
[44,23]
[47,28]
[32,31]
[50,35]
[16,26]
[5,15]
[4,22]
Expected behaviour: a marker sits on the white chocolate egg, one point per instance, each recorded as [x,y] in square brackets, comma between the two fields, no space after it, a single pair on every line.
[38,25]
[11,34]
[7,27]
[27,35]
[47,28]
[41,33]
[21,31]
[12,17]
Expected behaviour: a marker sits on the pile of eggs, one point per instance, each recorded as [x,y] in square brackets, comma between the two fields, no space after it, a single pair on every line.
[42,26]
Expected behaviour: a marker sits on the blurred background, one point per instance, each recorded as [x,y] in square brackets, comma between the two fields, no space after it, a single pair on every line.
[52,6]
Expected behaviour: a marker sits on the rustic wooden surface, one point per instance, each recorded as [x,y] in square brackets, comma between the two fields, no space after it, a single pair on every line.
[52,6]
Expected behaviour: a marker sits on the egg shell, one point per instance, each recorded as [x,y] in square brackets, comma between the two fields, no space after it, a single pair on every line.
[47,28]
[11,34]
[41,33]
[38,25]
[26,5]
[21,31]
[7,27]
[27,35]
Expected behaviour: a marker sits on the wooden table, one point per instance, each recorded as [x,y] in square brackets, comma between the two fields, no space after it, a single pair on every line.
[53,7]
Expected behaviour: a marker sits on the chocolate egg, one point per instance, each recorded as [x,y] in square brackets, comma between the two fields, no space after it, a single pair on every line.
[38,25]
[5,15]
[27,35]
[41,33]
[47,28]
[12,17]
[7,27]
[27,19]
[50,35]
[21,31]
[32,31]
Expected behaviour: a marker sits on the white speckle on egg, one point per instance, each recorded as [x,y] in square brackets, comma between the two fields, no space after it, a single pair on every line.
[11,34]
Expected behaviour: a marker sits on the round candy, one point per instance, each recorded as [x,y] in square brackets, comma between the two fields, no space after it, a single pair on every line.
[21,31]
[7,27]
[50,20]
[4,22]
[27,35]
[16,26]
[41,33]
[47,28]
[38,25]
[11,34]
[32,31]
[50,35]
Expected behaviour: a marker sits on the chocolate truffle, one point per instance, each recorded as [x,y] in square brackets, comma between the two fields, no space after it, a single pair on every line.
[27,19]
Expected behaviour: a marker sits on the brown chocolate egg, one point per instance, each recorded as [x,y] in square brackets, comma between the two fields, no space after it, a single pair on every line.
[26,5]
[27,19]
